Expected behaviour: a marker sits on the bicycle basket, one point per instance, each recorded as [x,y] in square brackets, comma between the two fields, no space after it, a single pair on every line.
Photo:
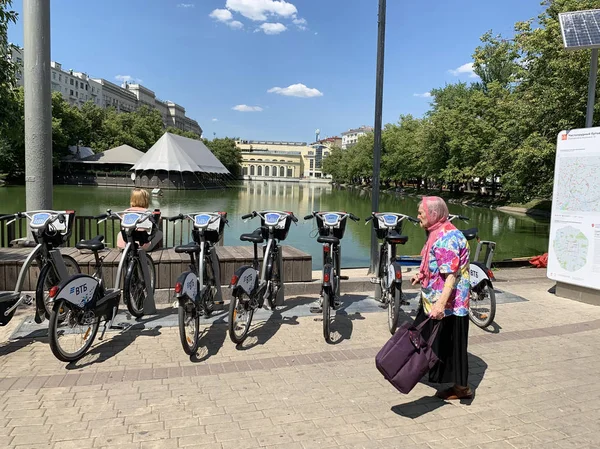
[280,231]
[214,232]
[56,233]
[381,230]
[338,231]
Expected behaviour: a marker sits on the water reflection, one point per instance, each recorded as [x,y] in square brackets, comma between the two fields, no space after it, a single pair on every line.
[516,236]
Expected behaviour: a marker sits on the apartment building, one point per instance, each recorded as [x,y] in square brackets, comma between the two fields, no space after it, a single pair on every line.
[351,136]
[77,88]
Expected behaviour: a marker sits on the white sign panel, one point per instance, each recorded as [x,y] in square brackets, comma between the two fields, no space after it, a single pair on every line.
[574,250]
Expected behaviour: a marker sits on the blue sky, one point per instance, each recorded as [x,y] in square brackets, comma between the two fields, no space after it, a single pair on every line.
[212,56]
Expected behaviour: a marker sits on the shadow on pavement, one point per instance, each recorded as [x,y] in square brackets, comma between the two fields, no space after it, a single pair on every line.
[263,332]
[426,404]
[211,340]
[110,347]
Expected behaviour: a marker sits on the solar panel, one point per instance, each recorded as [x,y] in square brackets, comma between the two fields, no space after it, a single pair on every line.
[580,29]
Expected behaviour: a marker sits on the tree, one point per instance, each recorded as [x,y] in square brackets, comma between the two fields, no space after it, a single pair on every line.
[8,69]
[179,132]
[227,152]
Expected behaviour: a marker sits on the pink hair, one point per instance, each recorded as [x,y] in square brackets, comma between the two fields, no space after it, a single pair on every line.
[436,210]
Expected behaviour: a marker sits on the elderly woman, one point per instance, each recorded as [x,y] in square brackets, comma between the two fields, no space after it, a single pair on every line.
[444,279]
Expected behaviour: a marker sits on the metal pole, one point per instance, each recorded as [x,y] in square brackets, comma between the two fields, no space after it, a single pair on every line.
[38,105]
[589,118]
[378,126]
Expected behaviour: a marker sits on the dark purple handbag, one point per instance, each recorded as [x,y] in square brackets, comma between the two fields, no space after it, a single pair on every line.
[407,357]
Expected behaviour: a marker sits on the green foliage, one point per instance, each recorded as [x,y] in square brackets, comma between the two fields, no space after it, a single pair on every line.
[189,134]
[503,126]
[227,152]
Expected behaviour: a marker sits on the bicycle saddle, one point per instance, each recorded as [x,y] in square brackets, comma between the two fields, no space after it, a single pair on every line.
[328,239]
[394,237]
[94,244]
[255,237]
[470,234]
[188,248]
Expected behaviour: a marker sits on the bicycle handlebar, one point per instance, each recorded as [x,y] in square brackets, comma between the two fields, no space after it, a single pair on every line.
[250,215]
[306,217]
[176,217]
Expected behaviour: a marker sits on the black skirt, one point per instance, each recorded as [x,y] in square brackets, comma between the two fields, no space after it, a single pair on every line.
[450,346]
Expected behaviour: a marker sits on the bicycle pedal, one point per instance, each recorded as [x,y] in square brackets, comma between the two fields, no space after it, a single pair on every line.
[28,300]
[374,281]
[344,278]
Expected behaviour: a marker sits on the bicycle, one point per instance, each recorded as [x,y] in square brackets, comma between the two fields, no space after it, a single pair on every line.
[197,289]
[249,286]
[137,228]
[50,229]
[331,226]
[481,312]
[388,226]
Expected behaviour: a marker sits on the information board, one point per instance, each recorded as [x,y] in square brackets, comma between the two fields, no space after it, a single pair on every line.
[574,249]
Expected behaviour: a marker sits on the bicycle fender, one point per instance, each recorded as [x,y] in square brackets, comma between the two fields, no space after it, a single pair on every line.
[478,273]
[327,270]
[79,290]
[245,280]
[397,272]
[189,285]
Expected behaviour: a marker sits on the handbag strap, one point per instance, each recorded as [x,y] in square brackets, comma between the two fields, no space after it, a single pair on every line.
[436,328]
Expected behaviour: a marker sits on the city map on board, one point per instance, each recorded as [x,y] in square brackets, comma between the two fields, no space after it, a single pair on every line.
[571,248]
[579,184]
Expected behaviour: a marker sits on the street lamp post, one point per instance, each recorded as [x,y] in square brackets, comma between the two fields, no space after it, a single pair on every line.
[38,105]
[378,126]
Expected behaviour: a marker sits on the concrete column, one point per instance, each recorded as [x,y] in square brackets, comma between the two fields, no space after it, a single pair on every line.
[38,105]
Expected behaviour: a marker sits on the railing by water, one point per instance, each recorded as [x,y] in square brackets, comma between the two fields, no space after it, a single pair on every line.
[87,227]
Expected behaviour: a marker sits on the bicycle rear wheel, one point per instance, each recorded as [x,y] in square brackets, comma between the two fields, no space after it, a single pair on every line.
[240,318]
[189,326]
[394,307]
[327,316]
[48,279]
[70,340]
[482,308]
[135,289]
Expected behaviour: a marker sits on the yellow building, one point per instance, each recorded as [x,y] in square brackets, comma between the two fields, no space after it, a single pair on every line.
[269,159]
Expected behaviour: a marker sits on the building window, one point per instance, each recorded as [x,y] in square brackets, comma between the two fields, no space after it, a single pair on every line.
[54,75]
[267,170]
[60,77]
[77,94]
[86,87]
[281,171]
[71,81]
[252,170]
[289,173]
[245,171]
[312,164]
[259,171]
[274,171]
[71,91]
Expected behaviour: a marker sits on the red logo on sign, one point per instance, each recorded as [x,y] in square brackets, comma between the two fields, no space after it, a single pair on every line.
[564,136]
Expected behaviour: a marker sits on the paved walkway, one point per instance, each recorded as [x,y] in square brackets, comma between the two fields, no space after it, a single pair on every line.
[534,374]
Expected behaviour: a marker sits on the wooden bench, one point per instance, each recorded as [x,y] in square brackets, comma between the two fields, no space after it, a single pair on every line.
[297,265]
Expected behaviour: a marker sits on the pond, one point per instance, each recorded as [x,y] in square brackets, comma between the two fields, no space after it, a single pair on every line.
[515,235]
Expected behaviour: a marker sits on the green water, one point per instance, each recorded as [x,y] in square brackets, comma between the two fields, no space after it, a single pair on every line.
[516,236]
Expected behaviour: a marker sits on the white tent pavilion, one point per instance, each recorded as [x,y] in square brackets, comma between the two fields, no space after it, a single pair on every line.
[173,153]
[121,155]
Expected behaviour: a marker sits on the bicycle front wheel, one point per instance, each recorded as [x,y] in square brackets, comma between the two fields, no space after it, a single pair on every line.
[70,340]
[189,327]
[482,308]
[327,316]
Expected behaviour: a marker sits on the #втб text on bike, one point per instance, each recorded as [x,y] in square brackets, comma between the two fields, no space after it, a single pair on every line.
[197,289]
[249,286]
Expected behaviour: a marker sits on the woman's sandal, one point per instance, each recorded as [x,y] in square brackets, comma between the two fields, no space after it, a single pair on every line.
[453,393]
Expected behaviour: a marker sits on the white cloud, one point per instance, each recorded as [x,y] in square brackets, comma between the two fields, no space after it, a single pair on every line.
[215,120]
[127,79]
[246,108]
[259,10]
[222,15]
[300,23]
[186,5]
[425,95]
[272,28]
[296,90]
[465,69]
[236,25]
